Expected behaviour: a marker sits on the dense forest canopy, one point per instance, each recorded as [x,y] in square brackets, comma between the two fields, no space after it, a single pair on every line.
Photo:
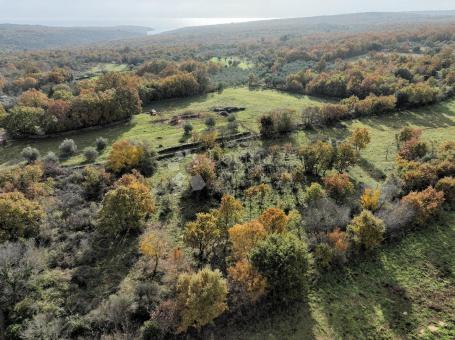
[34,37]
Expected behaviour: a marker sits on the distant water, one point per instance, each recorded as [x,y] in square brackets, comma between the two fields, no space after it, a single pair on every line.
[159,25]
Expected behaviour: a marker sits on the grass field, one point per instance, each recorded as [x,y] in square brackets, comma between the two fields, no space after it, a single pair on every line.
[405,291]
[438,123]
[146,127]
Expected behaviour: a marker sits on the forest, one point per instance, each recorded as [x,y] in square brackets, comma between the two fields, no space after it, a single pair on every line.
[282,179]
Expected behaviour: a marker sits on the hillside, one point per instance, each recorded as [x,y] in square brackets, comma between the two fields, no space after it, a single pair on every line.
[345,23]
[31,37]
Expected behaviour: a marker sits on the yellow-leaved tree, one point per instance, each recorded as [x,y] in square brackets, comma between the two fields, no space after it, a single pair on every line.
[126,207]
[201,297]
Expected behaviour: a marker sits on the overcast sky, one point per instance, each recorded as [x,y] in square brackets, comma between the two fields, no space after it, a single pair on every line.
[132,11]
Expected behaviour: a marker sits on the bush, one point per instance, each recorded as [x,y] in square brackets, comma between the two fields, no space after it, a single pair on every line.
[447,186]
[366,230]
[30,154]
[68,148]
[427,203]
[101,144]
[210,122]
[283,260]
[338,186]
[187,129]
[276,122]
[90,154]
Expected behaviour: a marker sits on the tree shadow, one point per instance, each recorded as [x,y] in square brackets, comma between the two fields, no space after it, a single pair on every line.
[377,174]
[291,321]
[105,264]
[354,300]
[435,116]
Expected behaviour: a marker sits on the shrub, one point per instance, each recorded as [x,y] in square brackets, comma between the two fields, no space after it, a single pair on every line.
[407,133]
[19,217]
[370,199]
[413,149]
[323,255]
[68,148]
[447,186]
[30,154]
[366,230]
[338,186]
[314,193]
[201,297]
[276,122]
[283,260]
[100,144]
[427,203]
[90,154]
[187,128]
[210,122]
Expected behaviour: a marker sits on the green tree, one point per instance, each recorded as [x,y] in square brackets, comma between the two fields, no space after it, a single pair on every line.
[203,234]
[126,207]
[19,217]
[283,260]
[201,297]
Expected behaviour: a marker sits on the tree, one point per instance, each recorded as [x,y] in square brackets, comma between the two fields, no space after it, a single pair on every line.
[153,246]
[346,156]
[126,156]
[338,186]
[274,220]
[230,211]
[244,237]
[370,199]
[203,234]
[201,297]
[34,98]
[283,260]
[24,121]
[203,166]
[126,207]
[19,217]
[251,283]
[366,230]
[314,193]
[427,203]
[360,138]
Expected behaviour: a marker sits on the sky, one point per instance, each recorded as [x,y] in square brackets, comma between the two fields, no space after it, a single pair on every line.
[144,11]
